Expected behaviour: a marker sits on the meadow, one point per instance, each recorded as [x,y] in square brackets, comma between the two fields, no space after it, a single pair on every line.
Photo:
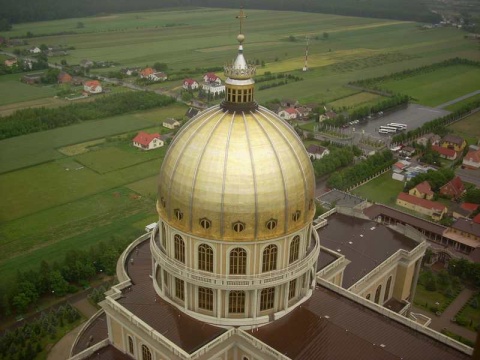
[109,188]
[390,190]
[468,128]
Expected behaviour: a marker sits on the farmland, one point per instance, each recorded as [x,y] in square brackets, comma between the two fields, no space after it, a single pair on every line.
[73,186]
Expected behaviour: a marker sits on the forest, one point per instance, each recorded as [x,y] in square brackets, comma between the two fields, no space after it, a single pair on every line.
[28,11]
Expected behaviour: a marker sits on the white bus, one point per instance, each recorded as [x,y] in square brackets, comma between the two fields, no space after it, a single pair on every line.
[389,129]
[382,131]
[398,126]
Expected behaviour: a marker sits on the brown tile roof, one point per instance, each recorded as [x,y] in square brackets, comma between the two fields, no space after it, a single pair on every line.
[330,326]
[424,188]
[316,149]
[453,139]
[473,155]
[381,210]
[468,226]
[365,243]
[449,153]
[453,188]
[424,203]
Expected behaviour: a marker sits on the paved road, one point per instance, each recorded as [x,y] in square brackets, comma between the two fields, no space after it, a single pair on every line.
[468,175]
[444,105]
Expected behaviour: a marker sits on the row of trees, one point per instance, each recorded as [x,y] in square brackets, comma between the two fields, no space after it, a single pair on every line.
[78,267]
[25,342]
[338,157]
[32,120]
[359,172]
[465,270]
[372,83]
[27,11]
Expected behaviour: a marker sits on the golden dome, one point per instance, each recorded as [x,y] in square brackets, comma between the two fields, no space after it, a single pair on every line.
[236,176]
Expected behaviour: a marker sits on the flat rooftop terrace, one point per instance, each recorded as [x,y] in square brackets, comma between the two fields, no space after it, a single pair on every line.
[365,243]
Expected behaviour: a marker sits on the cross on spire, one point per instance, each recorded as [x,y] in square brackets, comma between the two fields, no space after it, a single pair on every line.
[241,17]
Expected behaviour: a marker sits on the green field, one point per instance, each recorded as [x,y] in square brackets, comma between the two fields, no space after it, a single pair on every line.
[437,87]
[360,99]
[468,128]
[13,90]
[388,195]
[460,104]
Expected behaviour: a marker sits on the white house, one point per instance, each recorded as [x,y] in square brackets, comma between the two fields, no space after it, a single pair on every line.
[213,88]
[35,50]
[288,113]
[146,141]
[211,78]
[316,152]
[171,123]
[92,87]
[190,84]
[158,76]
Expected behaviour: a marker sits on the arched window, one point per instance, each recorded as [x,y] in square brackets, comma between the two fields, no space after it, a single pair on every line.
[205,298]
[271,224]
[296,215]
[179,248]
[130,345]
[238,261]
[205,258]
[236,302]
[294,248]
[269,258]
[292,287]
[387,289]
[178,214]
[179,289]
[267,296]
[377,293]
[368,297]
[164,236]
[146,354]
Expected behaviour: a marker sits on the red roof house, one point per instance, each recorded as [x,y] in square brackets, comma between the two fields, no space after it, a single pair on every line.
[422,190]
[469,206]
[146,141]
[145,73]
[431,208]
[476,219]
[211,78]
[64,78]
[472,159]
[190,84]
[454,188]
[92,86]
[288,113]
[446,153]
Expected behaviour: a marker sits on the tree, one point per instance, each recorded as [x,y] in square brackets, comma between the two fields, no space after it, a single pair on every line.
[58,284]
[160,66]
[51,76]
[292,38]
[325,36]
[473,196]
[5,25]
[80,25]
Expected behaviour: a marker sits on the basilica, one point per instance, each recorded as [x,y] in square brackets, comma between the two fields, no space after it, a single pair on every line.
[238,268]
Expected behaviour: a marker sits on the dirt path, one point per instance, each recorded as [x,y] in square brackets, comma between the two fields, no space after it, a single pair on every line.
[451,102]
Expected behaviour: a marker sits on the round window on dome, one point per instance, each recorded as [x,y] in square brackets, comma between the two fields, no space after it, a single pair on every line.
[271,224]
[178,214]
[238,226]
[205,223]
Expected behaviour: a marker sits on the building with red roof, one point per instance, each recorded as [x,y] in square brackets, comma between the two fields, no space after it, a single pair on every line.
[422,191]
[288,113]
[146,141]
[433,209]
[145,73]
[472,159]
[190,84]
[64,78]
[476,219]
[445,153]
[453,189]
[212,78]
[92,87]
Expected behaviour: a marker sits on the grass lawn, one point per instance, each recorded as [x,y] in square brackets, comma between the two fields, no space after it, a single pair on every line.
[469,313]
[389,189]
[468,128]
[146,187]
[13,90]
[439,86]
[360,99]
[36,148]
[430,298]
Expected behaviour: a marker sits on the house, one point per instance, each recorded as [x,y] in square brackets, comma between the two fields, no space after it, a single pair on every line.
[466,228]
[64,78]
[85,63]
[472,160]
[52,53]
[213,88]
[288,113]
[31,79]
[158,76]
[35,50]
[476,219]
[191,112]
[212,78]
[145,73]
[422,191]
[146,141]
[407,151]
[453,189]
[464,210]
[303,112]
[190,84]
[327,116]
[316,152]
[445,153]
[433,138]
[400,166]
[10,62]
[92,87]
[130,71]
[433,209]
[453,142]
[171,123]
